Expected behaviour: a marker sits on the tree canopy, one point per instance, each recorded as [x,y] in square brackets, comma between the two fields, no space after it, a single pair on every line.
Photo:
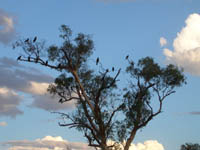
[190,146]
[104,110]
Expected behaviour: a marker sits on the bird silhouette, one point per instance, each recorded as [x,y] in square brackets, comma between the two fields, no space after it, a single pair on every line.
[127,56]
[29,58]
[132,63]
[26,40]
[34,40]
[37,59]
[59,65]
[61,101]
[113,69]
[46,63]
[71,88]
[19,58]
[97,61]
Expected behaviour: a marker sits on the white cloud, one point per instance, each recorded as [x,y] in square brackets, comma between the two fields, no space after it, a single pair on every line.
[163,41]
[58,143]
[7,27]
[186,46]
[3,124]
[37,88]
[147,145]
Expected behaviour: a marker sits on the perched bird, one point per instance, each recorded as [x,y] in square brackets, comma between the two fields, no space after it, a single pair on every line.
[127,56]
[113,69]
[61,101]
[19,58]
[132,63]
[71,88]
[46,63]
[36,60]
[35,39]
[29,58]
[26,40]
[97,61]
[59,65]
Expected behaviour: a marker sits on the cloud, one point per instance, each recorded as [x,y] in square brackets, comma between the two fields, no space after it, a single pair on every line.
[3,124]
[38,88]
[7,27]
[58,143]
[50,103]
[9,102]
[163,41]
[147,145]
[47,143]
[186,46]
[17,78]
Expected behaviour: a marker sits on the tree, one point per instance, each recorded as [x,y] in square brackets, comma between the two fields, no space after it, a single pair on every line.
[104,110]
[190,146]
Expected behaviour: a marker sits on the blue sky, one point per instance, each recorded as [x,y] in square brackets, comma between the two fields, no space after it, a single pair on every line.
[118,28]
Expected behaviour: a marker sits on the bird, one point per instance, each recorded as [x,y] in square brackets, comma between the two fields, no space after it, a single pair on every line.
[71,88]
[36,59]
[35,39]
[132,63]
[29,58]
[59,65]
[19,58]
[113,69]
[26,40]
[107,70]
[127,56]
[46,63]
[97,61]
[61,101]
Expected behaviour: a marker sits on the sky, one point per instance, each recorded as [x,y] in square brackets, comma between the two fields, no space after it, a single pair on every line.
[167,30]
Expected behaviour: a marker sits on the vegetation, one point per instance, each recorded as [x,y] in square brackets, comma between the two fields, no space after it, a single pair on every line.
[190,146]
[104,110]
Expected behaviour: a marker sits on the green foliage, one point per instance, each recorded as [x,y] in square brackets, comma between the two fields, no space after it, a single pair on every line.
[147,80]
[190,146]
[74,52]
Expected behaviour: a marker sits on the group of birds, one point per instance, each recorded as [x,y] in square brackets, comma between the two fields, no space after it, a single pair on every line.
[36,60]
[34,40]
[113,69]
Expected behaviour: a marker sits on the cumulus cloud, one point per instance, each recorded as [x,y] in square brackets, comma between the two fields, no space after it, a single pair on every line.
[3,124]
[47,143]
[147,145]
[58,143]
[186,46]
[163,41]
[17,78]
[7,27]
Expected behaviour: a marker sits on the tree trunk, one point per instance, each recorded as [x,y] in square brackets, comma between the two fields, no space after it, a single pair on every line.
[130,139]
